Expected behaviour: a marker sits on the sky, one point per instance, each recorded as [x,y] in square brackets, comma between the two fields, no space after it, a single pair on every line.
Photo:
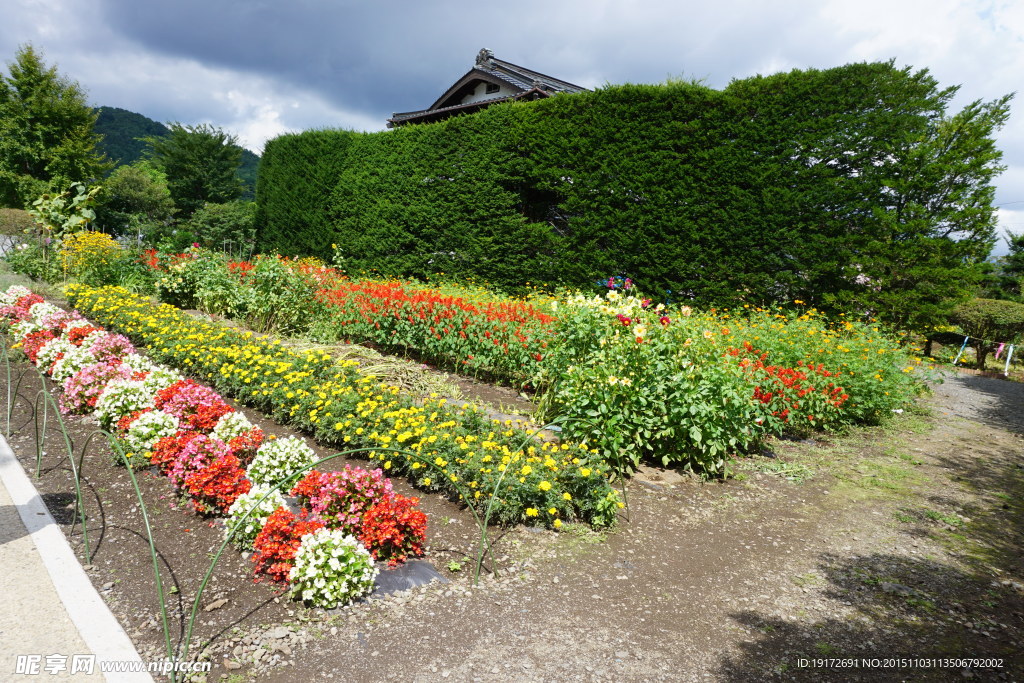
[260,68]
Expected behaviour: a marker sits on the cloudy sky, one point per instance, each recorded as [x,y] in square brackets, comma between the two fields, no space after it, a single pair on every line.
[259,68]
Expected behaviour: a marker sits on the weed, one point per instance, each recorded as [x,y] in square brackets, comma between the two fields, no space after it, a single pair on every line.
[808,579]
[951,520]
[454,566]
[792,471]
[584,533]
[921,603]
[893,478]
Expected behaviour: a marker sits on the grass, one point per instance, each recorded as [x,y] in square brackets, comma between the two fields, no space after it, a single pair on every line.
[8,278]
[808,579]
[792,471]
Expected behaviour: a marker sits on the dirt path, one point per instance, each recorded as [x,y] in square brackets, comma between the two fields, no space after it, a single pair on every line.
[899,542]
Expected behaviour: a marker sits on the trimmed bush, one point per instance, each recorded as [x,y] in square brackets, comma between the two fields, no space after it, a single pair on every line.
[811,185]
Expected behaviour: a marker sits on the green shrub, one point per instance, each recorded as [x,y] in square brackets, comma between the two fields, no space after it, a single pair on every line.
[641,382]
[989,322]
[15,222]
[227,227]
[748,194]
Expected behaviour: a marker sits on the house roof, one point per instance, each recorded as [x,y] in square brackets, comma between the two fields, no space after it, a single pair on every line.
[525,84]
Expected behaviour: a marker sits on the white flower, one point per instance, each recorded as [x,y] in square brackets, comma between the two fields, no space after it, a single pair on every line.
[278,459]
[246,533]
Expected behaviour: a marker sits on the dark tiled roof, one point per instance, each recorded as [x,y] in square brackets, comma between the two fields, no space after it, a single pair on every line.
[526,78]
[527,82]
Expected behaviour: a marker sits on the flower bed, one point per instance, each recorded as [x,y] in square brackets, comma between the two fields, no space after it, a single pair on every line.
[458,450]
[203,445]
[469,329]
[691,388]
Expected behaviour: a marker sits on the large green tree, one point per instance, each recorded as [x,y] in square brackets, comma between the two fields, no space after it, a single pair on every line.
[46,131]
[200,163]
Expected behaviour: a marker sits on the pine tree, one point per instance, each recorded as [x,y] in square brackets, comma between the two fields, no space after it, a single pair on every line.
[46,132]
[200,163]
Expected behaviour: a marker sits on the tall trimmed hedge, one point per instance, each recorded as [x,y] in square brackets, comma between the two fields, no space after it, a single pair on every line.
[849,187]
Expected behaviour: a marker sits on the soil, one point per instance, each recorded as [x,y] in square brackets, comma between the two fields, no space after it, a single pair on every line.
[903,541]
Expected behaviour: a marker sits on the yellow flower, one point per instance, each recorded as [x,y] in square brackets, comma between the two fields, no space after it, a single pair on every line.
[532,512]
[544,485]
[566,496]
[552,511]
[558,524]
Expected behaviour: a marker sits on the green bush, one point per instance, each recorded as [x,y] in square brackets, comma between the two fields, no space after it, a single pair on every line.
[15,222]
[35,260]
[989,322]
[642,382]
[227,227]
[817,185]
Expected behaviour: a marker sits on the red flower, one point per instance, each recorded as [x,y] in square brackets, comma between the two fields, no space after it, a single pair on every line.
[276,545]
[245,445]
[310,484]
[76,334]
[215,487]
[394,529]
[205,417]
[125,423]
[167,449]
[34,341]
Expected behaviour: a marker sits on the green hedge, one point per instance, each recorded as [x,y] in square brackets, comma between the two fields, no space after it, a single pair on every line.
[295,179]
[837,187]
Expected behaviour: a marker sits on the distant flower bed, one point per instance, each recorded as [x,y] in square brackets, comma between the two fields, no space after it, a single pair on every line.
[638,380]
[467,328]
[632,379]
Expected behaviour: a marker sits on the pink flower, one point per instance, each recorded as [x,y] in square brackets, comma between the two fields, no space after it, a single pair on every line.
[83,389]
[344,496]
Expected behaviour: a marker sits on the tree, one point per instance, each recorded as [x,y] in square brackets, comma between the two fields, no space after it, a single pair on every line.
[890,194]
[989,322]
[46,132]
[1012,266]
[134,197]
[200,164]
[227,226]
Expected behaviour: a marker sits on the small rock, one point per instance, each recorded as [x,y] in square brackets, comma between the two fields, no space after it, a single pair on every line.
[109,585]
[896,588]
[216,604]
[278,633]
[231,665]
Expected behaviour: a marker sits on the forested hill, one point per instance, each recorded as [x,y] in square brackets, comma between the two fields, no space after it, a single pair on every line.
[121,129]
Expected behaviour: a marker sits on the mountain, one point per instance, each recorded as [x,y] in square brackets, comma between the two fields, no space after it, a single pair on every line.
[120,130]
